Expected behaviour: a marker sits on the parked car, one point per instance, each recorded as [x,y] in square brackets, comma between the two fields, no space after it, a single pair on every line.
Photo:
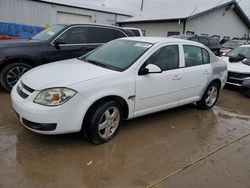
[238,63]
[210,42]
[123,79]
[230,45]
[136,31]
[56,43]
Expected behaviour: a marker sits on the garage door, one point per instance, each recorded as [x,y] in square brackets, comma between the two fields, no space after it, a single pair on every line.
[63,17]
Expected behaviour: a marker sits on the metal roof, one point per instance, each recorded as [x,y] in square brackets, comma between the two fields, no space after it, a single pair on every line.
[186,12]
[81,4]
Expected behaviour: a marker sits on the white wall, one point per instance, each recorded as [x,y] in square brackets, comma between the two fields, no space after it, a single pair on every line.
[157,29]
[38,13]
[219,22]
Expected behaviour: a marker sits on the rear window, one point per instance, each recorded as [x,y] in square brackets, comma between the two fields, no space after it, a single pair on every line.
[135,32]
[104,35]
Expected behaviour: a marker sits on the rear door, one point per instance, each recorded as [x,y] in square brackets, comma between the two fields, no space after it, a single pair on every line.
[196,72]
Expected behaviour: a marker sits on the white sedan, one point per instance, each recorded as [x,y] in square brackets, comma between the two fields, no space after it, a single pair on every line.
[123,79]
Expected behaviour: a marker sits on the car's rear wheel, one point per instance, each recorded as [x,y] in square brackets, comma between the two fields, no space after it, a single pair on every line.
[210,97]
[11,73]
[104,122]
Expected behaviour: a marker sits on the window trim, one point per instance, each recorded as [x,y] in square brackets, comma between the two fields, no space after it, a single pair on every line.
[179,54]
[202,55]
[52,42]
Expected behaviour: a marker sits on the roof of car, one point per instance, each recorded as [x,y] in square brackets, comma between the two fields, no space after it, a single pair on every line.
[93,24]
[154,40]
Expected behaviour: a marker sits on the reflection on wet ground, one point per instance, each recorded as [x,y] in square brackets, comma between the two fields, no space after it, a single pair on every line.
[145,150]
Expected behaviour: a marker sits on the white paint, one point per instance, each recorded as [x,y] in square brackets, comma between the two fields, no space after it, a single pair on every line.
[154,92]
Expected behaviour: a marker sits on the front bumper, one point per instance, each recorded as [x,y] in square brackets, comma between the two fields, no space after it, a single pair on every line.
[236,79]
[65,118]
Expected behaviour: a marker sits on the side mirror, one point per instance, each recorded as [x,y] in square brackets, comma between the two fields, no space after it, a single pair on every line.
[246,61]
[150,69]
[237,59]
[59,41]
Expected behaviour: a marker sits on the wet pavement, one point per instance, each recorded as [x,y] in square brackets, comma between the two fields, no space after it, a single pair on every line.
[151,150]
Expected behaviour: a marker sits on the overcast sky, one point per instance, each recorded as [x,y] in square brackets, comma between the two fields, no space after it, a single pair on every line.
[134,5]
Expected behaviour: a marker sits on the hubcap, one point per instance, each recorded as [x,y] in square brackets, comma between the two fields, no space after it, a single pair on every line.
[14,74]
[109,122]
[211,96]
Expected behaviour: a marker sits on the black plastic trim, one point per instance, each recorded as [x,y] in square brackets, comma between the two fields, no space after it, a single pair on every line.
[21,93]
[39,126]
[27,88]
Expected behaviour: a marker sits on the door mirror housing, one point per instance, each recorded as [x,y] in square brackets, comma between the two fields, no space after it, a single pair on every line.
[59,41]
[236,59]
[150,69]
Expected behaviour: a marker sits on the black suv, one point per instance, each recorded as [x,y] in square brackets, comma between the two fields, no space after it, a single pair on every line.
[56,43]
[210,42]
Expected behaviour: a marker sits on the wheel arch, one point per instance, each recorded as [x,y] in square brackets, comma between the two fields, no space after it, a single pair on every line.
[30,61]
[121,101]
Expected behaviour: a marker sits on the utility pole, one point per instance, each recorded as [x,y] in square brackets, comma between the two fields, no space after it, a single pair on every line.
[142,2]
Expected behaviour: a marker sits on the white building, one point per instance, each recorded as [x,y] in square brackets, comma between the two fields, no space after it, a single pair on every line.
[225,20]
[49,12]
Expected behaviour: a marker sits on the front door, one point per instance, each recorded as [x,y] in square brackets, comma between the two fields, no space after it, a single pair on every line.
[75,42]
[155,92]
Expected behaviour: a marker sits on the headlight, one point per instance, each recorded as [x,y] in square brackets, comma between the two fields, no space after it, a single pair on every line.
[54,96]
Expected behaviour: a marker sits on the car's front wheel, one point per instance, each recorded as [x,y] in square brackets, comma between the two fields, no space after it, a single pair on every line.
[210,97]
[104,121]
[11,73]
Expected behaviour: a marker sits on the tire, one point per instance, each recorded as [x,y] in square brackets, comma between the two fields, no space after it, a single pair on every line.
[96,130]
[11,73]
[210,97]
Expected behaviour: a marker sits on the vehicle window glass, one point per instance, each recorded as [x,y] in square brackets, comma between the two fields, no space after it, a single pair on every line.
[136,33]
[194,39]
[118,34]
[47,34]
[103,35]
[245,51]
[193,55]
[213,41]
[76,35]
[117,54]
[203,41]
[166,58]
[206,56]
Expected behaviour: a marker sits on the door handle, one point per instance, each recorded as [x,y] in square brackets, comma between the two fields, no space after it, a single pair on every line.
[176,77]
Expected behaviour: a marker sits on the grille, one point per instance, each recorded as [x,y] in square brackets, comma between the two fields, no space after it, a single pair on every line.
[236,78]
[23,90]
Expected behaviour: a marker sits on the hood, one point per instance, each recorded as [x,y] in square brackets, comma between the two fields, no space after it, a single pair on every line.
[236,66]
[63,74]
[19,42]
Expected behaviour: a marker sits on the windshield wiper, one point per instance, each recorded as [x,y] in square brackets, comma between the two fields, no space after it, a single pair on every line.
[95,62]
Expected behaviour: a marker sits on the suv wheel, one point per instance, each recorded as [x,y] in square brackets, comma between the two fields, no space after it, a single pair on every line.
[11,73]
[210,97]
[104,122]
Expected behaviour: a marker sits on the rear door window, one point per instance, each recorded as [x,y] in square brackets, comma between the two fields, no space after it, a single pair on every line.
[195,55]
[103,35]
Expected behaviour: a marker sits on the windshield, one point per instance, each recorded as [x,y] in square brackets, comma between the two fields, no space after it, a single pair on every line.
[118,54]
[230,44]
[48,33]
[245,51]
